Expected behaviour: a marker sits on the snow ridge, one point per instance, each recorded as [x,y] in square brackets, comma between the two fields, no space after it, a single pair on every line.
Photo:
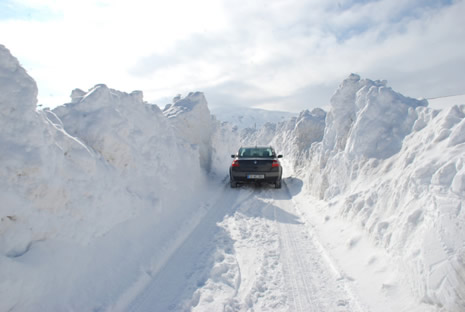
[368,118]
[395,167]
[104,168]
[192,121]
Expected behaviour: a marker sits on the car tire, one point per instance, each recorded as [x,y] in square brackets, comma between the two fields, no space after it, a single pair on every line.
[278,184]
[233,184]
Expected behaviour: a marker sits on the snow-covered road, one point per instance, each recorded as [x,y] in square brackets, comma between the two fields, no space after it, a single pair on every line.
[252,252]
[313,282]
[110,203]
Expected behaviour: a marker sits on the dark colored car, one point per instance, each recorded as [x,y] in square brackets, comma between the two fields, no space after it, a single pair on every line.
[256,165]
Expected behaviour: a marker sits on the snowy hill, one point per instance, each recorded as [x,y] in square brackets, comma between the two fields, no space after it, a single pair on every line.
[245,117]
[446,101]
[112,204]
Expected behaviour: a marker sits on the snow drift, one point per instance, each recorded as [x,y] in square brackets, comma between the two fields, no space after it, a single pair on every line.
[93,187]
[396,168]
[108,149]
[88,184]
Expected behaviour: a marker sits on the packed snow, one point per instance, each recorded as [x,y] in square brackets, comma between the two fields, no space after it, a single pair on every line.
[109,203]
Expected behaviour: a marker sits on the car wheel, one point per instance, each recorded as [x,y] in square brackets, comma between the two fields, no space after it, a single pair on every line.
[233,184]
[278,184]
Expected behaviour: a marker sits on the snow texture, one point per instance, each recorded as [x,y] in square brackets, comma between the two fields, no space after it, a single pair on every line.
[109,203]
[191,119]
[396,168]
[245,117]
[73,179]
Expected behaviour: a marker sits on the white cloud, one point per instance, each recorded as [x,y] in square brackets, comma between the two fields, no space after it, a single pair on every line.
[278,54]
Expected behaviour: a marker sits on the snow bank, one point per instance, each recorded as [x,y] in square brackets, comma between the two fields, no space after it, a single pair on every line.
[409,204]
[192,121]
[225,142]
[44,170]
[368,119]
[214,140]
[396,168]
[134,138]
[85,189]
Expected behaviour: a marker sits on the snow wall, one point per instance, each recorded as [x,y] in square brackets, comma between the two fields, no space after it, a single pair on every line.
[393,166]
[105,168]
[107,153]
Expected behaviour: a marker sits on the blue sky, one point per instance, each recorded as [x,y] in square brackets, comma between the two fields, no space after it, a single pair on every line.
[282,54]
[16,10]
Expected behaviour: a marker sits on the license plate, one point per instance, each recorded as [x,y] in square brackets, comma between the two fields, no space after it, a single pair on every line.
[256,176]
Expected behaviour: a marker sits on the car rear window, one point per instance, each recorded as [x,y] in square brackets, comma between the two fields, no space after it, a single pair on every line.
[255,152]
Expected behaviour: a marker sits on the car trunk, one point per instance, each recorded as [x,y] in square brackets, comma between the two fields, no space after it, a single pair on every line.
[254,165]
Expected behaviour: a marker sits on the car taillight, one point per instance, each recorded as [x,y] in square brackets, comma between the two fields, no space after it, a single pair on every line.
[275,163]
[235,163]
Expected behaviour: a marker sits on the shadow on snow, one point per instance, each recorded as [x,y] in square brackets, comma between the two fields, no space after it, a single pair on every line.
[175,284]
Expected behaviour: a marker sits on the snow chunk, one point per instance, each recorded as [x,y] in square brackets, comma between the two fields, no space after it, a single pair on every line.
[369,119]
[458,134]
[192,121]
[77,95]
[458,183]
[309,128]
[193,100]
[19,90]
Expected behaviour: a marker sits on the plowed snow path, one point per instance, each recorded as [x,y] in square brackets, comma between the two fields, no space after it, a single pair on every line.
[250,253]
[312,281]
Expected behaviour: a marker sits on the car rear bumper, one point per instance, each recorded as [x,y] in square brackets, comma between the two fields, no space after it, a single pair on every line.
[251,177]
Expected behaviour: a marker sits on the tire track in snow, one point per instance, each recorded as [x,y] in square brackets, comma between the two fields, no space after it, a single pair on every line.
[183,272]
[251,252]
[301,290]
[312,283]
[256,243]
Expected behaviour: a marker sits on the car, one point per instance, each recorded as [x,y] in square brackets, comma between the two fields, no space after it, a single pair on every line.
[256,165]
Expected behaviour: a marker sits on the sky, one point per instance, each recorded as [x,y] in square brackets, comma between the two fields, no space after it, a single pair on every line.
[285,55]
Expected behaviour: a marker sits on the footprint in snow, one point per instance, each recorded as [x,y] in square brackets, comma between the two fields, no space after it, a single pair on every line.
[353,242]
